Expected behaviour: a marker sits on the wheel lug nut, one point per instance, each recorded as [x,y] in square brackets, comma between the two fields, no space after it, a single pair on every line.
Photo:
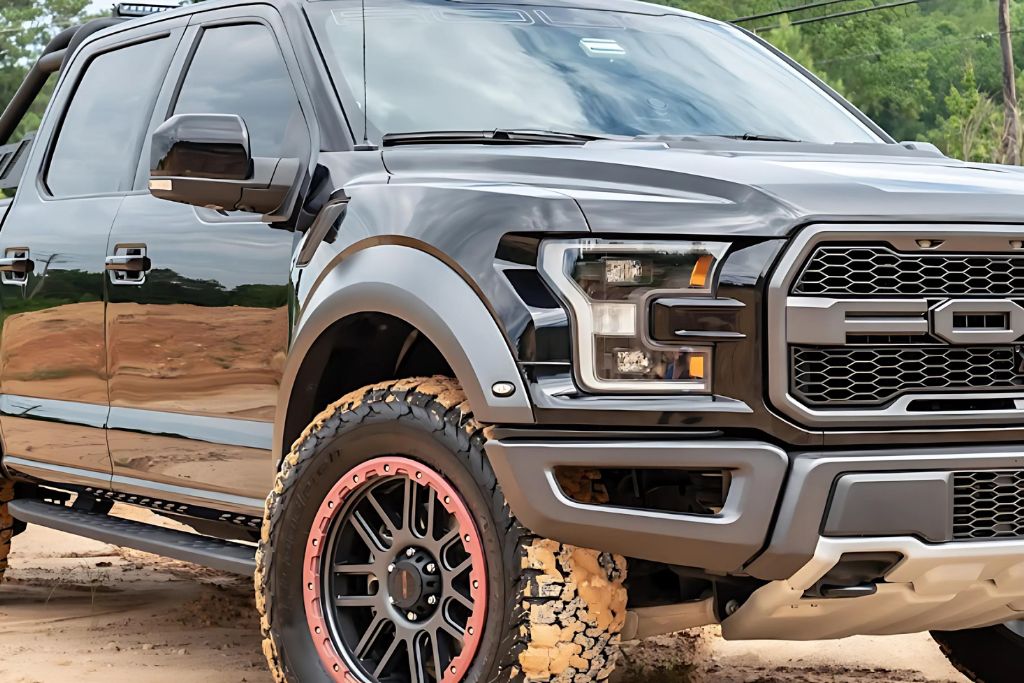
[391,599]
[410,552]
[431,568]
[432,600]
[412,616]
[391,568]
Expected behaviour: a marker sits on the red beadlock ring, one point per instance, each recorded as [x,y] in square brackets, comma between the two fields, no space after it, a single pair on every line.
[365,474]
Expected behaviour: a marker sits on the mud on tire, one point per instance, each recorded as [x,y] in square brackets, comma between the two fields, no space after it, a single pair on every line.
[7,524]
[986,655]
[553,612]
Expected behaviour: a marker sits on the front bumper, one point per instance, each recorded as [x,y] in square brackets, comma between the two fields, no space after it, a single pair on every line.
[939,587]
[912,497]
[779,508]
[720,543]
[790,520]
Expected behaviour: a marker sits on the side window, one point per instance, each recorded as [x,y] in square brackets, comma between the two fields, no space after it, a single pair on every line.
[240,70]
[101,137]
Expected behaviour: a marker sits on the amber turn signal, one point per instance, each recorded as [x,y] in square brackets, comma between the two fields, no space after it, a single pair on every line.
[699,276]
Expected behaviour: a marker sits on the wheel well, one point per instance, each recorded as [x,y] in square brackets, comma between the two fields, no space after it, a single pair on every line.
[361,349]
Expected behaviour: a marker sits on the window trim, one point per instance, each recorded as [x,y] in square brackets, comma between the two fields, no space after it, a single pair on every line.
[283,47]
[90,56]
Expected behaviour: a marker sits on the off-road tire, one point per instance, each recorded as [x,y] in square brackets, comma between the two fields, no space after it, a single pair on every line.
[554,612]
[985,655]
[7,524]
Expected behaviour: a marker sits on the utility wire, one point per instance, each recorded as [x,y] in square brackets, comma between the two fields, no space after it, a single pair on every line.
[843,15]
[789,10]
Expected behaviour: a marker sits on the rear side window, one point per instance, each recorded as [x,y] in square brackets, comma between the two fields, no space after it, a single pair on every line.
[240,70]
[99,143]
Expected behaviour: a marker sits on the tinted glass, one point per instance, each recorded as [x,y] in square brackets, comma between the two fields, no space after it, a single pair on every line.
[240,70]
[99,143]
[435,67]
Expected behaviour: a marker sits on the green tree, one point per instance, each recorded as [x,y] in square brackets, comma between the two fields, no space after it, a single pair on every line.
[25,28]
[972,129]
[905,67]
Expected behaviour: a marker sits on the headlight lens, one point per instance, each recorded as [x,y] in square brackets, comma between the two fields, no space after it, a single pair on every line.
[608,286]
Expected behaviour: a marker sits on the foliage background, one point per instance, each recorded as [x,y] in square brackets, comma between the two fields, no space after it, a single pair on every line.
[930,71]
[25,28]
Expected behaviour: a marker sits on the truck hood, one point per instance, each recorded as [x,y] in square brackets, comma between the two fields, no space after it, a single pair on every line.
[733,187]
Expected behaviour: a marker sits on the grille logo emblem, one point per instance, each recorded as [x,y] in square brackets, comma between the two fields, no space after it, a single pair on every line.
[828,322]
[963,321]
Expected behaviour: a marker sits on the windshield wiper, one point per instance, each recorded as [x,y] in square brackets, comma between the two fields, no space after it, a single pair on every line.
[500,136]
[758,137]
[690,137]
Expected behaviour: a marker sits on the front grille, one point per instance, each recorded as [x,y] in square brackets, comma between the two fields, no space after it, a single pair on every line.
[897,327]
[865,270]
[988,505]
[874,376]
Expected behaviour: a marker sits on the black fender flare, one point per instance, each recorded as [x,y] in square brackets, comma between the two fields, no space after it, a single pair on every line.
[422,290]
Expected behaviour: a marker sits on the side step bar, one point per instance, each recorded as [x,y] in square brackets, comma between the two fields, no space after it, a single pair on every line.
[179,545]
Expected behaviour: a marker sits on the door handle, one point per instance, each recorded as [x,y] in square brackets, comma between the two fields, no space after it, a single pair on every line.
[128,264]
[16,264]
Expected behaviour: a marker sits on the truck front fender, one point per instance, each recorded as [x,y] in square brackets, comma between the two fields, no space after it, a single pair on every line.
[423,291]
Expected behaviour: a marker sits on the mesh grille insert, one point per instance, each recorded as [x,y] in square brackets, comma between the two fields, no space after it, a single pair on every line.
[823,377]
[988,504]
[864,270]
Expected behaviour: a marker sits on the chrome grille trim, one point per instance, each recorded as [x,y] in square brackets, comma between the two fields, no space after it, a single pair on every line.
[919,407]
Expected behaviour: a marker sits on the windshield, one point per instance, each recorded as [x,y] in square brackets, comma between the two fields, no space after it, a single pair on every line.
[433,65]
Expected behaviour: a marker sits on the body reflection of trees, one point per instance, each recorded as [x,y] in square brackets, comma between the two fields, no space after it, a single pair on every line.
[162,286]
[165,286]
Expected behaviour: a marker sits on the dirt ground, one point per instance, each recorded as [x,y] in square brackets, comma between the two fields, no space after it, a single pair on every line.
[78,610]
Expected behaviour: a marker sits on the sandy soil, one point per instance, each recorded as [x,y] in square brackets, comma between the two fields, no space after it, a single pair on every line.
[79,610]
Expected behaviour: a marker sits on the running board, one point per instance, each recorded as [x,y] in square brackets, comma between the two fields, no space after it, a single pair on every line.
[179,545]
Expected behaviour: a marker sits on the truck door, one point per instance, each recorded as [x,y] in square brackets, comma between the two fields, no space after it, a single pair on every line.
[198,332]
[53,245]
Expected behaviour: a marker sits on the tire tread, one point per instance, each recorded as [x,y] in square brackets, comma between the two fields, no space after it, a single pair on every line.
[7,524]
[440,402]
[985,655]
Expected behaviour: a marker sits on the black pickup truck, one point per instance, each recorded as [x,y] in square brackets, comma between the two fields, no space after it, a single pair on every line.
[486,335]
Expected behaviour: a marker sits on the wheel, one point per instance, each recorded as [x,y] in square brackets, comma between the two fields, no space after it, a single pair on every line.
[986,655]
[7,524]
[388,554]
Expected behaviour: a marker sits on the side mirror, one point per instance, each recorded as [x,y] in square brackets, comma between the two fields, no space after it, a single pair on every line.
[205,160]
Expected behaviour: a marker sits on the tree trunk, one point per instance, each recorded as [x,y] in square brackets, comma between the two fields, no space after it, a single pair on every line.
[1011,131]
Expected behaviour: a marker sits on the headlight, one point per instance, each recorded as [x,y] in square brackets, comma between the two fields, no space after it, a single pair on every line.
[609,287]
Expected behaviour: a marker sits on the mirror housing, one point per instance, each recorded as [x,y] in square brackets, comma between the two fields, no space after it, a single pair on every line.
[206,160]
